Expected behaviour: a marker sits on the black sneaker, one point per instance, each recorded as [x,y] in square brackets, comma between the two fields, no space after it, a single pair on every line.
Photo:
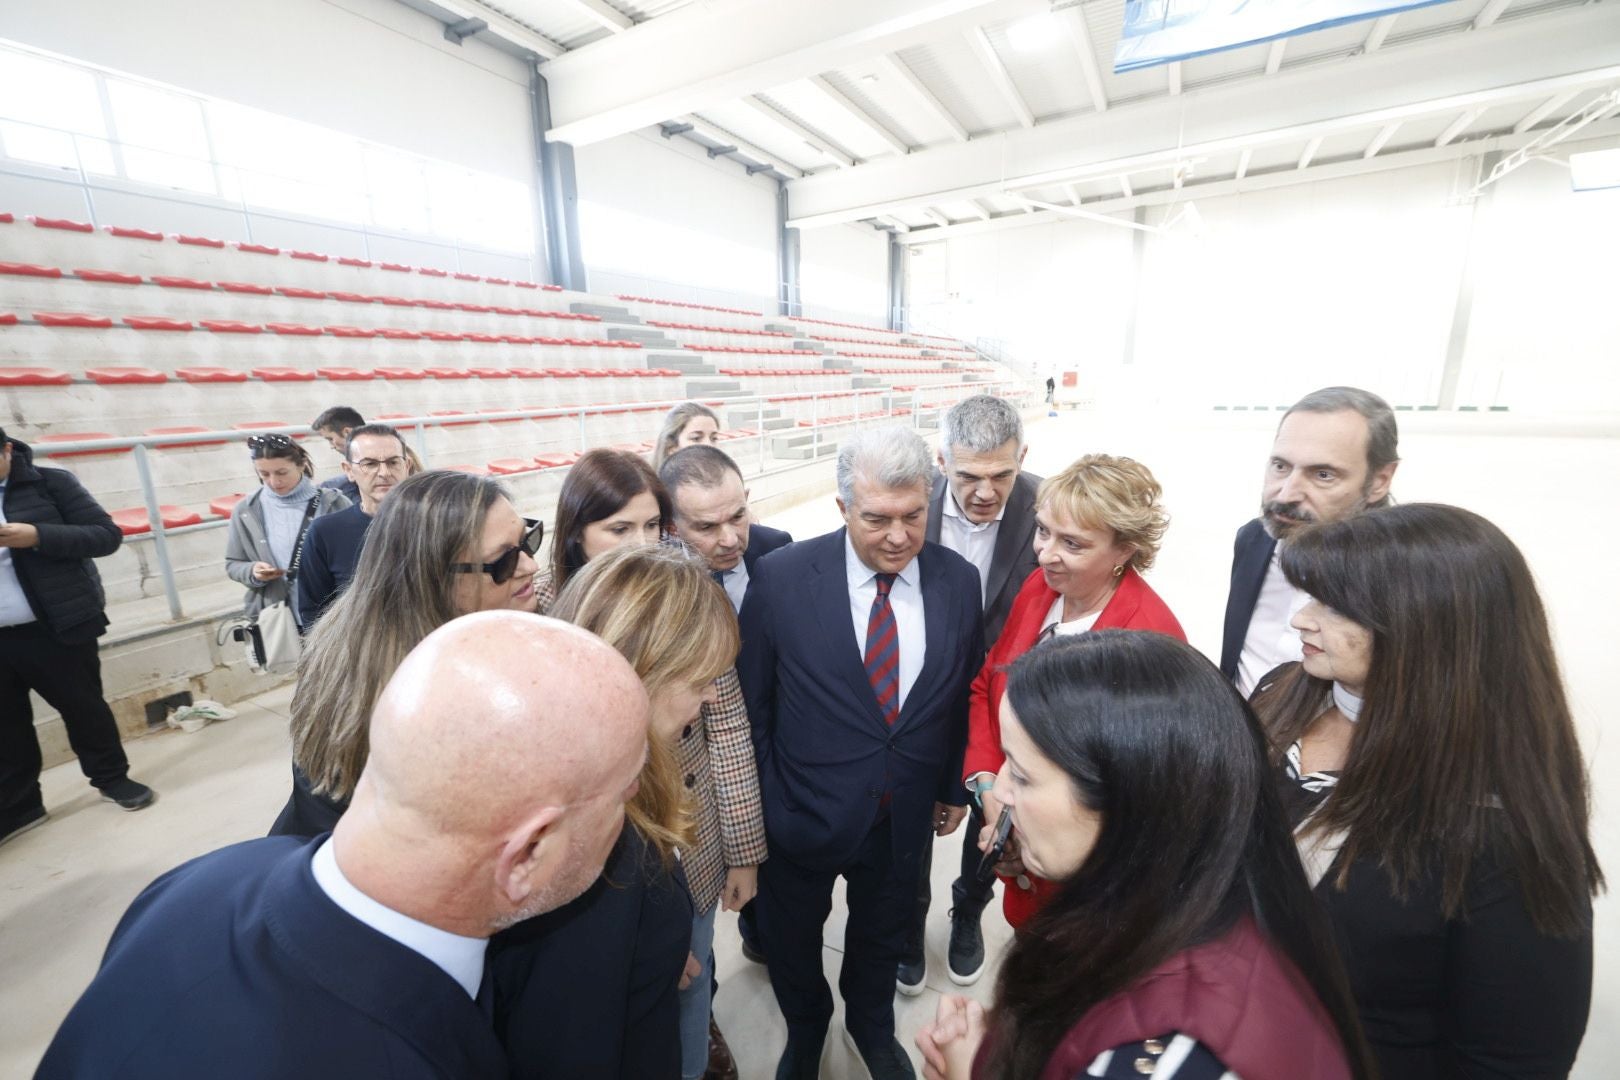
[14,825]
[130,794]
[909,976]
[801,1059]
[883,1062]
[965,959]
[750,953]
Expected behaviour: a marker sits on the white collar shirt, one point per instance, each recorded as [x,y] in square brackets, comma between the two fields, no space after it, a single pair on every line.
[735,582]
[462,958]
[14,607]
[1054,623]
[972,540]
[906,600]
[1271,639]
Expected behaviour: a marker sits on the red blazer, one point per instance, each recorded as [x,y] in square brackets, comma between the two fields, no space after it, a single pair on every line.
[1134,606]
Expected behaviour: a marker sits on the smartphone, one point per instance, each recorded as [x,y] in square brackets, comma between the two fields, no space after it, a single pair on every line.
[998,846]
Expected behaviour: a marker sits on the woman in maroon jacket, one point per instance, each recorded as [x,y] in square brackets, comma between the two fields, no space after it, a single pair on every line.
[1098,525]
[1181,939]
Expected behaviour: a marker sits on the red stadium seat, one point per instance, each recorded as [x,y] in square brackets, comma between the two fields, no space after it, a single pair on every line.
[68,318]
[43,443]
[29,270]
[230,326]
[169,282]
[246,287]
[284,374]
[155,322]
[508,466]
[293,329]
[193,429]
[110,277]
[256,249]
[134,234]
[222,506]
[132,521]
[210,375]
[401,374]
[346,374]
[125,376]
[62,223]
[200,241]
[33,376]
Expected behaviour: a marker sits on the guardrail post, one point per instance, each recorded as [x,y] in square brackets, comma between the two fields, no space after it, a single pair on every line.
[815,427]
[159,542]
[583,444]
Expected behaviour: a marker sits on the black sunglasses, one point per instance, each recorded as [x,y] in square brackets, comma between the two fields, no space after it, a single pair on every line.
[502,569]
[262,442]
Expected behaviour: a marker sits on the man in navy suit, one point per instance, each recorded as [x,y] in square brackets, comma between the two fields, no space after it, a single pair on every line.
[858,651]
[361,953]
[711,515]
[1334,455]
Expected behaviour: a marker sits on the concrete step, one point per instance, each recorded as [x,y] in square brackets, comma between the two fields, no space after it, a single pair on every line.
[607,313]
[810,346]
[838,363]
[687,363]
[867,382]
[722,395]
[782,328]
[653,339]
[712,386]
[745,417]
[802,447]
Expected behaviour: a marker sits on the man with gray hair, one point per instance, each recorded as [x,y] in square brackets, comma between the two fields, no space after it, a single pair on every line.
[859,648]
[982,508]
[1334,455]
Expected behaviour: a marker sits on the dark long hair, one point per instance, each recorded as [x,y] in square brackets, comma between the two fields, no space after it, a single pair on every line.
[597,487]
[1465,742]
[1192,838]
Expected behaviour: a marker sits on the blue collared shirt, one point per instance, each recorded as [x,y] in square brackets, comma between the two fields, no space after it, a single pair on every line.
[14,606]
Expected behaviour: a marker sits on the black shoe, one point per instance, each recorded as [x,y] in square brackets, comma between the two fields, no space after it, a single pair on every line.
[887,1061]
[14,825]
[909,975]
[801,1058]
[966,955]
[751,953]
[129,794]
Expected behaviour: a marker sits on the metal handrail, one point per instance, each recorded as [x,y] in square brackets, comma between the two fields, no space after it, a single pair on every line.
[142,445]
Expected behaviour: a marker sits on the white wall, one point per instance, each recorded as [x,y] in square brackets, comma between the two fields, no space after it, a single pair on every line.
[844,273]
[657,217]
[1353,280]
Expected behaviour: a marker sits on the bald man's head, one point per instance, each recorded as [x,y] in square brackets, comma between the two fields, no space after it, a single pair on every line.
[510,741]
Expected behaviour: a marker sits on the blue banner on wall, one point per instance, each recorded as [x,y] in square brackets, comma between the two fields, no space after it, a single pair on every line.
[1164,31]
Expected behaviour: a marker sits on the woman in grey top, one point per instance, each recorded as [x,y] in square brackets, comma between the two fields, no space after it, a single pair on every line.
[266,526]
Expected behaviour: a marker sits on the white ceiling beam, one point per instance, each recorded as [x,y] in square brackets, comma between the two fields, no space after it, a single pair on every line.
[980,211]
[604,13]
[1525,61]
[902,74]
[1073,193]
[895,223]
[1385,133]
[1125,185]
[858,114]
[1175,77]
[1491,12]
[936,217]
[1458,126]
[1544,110]
[1074,19]
[1214,189]
[814,138]
[504,27]
[1243,163]
[1274,56]
[980,42]
[1380,30]
[717,134]
[1311,148]
[718,51]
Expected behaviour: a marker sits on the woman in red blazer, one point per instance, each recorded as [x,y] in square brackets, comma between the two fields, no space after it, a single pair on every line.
[1098,525]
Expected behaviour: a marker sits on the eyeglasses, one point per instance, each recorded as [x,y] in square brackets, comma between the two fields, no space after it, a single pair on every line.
[502,569]
[265,442]
[371,465]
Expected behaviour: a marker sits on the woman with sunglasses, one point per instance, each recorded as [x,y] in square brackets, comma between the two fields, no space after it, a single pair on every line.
[610,499]
[268,527]
[443,544]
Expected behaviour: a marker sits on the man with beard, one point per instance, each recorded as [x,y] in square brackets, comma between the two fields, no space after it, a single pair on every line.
[1334,456]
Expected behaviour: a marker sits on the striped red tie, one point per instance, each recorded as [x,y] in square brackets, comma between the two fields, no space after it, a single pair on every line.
[883,651]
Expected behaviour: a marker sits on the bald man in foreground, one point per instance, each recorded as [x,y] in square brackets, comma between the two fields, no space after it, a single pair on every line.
[502,752]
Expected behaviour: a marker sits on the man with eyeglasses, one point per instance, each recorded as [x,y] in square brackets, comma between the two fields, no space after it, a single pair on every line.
[376,461]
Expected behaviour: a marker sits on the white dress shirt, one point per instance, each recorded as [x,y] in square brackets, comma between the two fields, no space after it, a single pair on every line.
[735,582]
[1271,640]
[1054,618]
[14,607]
[905,598]
[973,541]
[462,958]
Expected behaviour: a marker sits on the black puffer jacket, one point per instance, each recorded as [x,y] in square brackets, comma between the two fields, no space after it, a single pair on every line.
[58,577]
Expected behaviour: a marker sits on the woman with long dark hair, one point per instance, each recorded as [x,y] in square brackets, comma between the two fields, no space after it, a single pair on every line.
[1182,936]
[609,499]
[1432,767]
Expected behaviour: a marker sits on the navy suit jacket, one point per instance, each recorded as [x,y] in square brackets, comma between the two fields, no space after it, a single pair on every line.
[1012,560]
[762,540]
[1251,556]
[237,965]
[826,756]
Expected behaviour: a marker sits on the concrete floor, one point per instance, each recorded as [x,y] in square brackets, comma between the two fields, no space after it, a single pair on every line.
[64,886]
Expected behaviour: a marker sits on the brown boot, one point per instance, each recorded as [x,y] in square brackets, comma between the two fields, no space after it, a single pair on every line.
[721,1065]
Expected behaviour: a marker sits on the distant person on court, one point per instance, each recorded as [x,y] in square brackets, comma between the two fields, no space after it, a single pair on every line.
[377,461]
[52,610]
[335,425]
[1334,455]
[362,953]
[982,508]
[687,424]
[269,528]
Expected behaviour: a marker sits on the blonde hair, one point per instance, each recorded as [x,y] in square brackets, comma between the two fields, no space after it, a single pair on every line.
[1104,492]
[675,422]
[658,606]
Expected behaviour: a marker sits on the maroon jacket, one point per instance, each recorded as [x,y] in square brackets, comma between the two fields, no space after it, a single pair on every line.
[1238,995]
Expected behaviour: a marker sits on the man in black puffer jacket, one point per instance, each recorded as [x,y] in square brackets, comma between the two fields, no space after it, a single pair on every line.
[51,613]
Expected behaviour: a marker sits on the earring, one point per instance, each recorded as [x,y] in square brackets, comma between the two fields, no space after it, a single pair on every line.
[1119,571]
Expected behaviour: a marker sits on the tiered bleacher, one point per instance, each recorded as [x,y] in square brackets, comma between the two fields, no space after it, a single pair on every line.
[124,333]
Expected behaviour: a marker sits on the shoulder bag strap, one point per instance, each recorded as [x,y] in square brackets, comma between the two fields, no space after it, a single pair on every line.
[303,531]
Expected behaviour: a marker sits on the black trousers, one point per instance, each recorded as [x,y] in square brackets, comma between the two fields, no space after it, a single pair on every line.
[790,910]
[968,896]
[69,678]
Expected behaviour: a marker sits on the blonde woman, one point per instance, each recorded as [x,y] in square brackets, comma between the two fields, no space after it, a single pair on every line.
[687,424]
[443,544]
[628,942]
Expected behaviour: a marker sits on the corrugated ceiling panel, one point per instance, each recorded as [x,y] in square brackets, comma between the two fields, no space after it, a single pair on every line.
[648,9]
[1105,18]
[1041,60]
[891,106]
[802,102]
[1221,66]
[562,22]
[771,137]
[953,73]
